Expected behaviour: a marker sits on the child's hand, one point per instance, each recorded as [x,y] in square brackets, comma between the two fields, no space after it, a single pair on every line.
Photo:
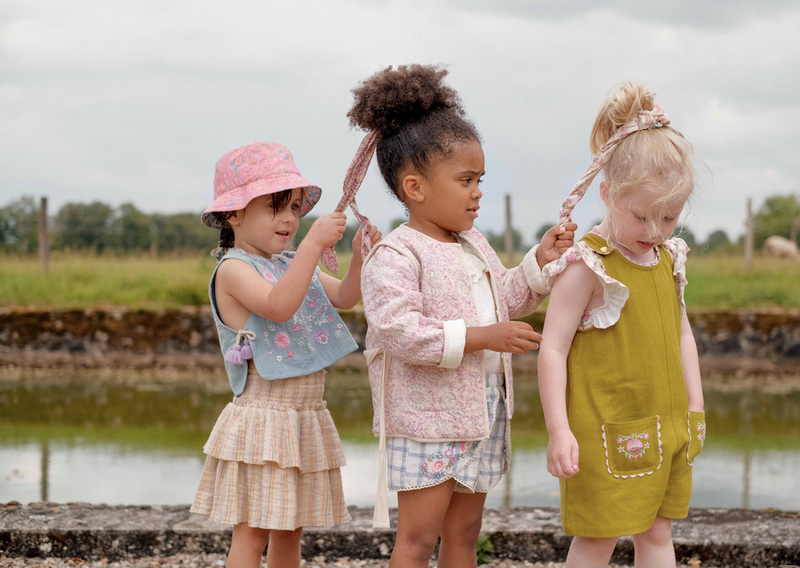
[374,237]
[326,231]
[555,242]
[511,337]
[562,454]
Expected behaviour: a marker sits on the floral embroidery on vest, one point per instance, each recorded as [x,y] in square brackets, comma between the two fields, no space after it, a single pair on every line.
[440,464]
[634,445]
[701,433]
[309,323]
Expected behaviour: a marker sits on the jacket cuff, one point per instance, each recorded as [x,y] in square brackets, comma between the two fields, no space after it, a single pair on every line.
[533,274]
[455,338]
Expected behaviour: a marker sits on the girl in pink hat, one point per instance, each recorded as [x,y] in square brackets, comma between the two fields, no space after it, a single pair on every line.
[274,456]
[438,302]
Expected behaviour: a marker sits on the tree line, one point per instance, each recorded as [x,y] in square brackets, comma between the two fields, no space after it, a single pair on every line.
[98,227]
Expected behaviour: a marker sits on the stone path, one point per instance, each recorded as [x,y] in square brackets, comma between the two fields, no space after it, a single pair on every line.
[59,535]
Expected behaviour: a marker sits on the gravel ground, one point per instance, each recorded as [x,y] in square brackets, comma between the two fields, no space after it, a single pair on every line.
[215,560]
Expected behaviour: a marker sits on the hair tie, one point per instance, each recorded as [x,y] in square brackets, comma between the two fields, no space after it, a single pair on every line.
[645,120]
[352,181]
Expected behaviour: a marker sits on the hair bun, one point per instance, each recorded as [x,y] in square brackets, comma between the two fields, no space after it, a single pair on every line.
[618,109]
[392,98]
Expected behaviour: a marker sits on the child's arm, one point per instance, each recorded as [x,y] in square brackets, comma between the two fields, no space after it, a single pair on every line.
[345,293]
[504,337]
[393,306]
[691,367]
[241,290]
[569,298]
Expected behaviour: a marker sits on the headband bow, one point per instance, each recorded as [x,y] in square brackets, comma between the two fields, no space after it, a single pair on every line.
[645,120]
[352,181]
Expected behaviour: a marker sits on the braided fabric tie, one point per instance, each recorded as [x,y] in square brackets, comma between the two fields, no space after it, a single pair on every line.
[352,181]
[645,120]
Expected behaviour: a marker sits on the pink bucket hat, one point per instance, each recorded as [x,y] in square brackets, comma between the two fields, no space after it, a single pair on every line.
[254,170]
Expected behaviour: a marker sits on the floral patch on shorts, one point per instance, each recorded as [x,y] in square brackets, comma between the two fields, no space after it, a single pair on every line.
[440,465]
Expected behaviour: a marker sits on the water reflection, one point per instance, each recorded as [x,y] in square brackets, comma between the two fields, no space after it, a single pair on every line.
[106,443]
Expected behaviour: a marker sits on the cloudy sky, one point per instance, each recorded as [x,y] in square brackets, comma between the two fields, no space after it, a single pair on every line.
[135,101]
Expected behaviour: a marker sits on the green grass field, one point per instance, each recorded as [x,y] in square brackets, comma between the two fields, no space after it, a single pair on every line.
[79,281]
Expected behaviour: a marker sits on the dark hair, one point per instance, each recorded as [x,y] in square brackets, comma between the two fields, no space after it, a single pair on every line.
[226,235]
[417,117]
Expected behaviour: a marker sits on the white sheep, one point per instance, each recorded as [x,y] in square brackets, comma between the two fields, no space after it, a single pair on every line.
[780,247]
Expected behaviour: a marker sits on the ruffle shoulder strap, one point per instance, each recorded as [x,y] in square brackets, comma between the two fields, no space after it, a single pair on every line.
[679,251]
[615,293]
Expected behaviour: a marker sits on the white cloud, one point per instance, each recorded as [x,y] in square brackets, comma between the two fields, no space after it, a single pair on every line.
[136,101]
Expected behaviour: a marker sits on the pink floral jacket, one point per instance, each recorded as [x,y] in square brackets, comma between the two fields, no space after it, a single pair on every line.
[418,302]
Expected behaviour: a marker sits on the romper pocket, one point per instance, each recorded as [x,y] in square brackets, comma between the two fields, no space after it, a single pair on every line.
[632,449]
[697,434]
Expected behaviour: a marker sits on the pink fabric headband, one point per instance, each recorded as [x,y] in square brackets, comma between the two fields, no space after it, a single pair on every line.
[645,120]
[352,181]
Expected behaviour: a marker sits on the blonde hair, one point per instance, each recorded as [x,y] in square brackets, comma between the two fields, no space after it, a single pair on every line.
[659,159]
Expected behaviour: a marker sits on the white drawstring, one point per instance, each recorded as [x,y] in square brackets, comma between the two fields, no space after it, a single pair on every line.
[380,518]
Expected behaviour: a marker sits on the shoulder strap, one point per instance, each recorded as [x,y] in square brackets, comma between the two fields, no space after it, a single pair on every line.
[597,243]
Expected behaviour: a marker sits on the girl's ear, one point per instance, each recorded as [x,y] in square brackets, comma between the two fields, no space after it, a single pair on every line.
[412,188]
[236,218]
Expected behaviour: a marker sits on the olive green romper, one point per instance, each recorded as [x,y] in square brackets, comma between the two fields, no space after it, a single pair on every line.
[627,406]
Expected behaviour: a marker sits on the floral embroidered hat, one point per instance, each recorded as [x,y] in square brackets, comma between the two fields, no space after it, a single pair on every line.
[254,170]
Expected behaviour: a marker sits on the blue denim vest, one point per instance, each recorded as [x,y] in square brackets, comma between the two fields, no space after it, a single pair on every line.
[314,338]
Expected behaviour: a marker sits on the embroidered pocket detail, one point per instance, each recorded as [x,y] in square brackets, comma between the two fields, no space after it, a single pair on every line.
[632,449]
[696,422]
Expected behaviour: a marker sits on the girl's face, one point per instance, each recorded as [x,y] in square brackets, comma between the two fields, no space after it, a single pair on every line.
[448,198]
[637,226]
[262,231]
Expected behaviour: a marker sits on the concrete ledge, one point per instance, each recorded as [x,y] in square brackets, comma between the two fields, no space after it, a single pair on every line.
[716,537]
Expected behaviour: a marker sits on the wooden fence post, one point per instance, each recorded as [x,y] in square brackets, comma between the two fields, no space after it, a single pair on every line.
[509,234]
[748,237]
[44,241]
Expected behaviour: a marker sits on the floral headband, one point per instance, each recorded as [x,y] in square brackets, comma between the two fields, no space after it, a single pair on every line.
[352,181]
[645,120]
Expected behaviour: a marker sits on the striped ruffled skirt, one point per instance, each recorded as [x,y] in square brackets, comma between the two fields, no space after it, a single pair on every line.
[273,458]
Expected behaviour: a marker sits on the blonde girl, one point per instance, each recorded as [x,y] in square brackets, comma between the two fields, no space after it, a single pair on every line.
[438,303]
[274,456]
[618,370]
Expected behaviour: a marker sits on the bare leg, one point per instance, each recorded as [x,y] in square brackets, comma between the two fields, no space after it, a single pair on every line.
[653,548]
[462,525]
[421,513]
[590,552]
[247,546]
[284,549]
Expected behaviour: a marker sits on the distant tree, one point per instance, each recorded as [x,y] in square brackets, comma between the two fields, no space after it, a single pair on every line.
[775,218]
[498,241]
[397,221]
[717,239]
[302,231]
[686,234]
[19,226]
[182,231]
[132,229]
[85,226]
[346,244]
[542,230]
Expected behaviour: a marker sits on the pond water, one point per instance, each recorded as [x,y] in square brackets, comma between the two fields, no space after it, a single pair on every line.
[142,444]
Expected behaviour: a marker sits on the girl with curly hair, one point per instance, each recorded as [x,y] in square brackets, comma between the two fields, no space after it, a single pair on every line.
[438,303]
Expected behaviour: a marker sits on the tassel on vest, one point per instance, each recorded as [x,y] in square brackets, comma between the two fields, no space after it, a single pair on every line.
[241,350]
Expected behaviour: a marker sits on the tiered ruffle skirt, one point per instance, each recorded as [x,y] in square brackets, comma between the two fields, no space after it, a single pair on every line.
[274,458]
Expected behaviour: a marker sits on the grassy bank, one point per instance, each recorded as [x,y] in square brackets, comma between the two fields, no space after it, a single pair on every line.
[80,280]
